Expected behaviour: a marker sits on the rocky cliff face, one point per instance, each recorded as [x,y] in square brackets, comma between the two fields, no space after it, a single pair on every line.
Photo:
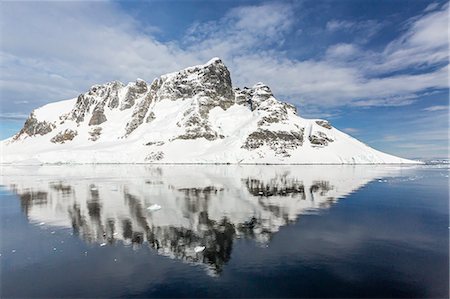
[194,115]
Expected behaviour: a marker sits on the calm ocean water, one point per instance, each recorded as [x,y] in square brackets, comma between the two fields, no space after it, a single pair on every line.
[224,231]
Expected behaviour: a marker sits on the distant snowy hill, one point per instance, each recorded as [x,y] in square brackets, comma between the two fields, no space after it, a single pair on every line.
[191,116]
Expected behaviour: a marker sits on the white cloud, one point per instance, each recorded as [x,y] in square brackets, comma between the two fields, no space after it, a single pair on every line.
[59,49]
[71,46]
[351,130]
[342,51]
[367,28]
[425,43]
[436,108]
[334,25]
[13,116]
[431,7]
[391,138]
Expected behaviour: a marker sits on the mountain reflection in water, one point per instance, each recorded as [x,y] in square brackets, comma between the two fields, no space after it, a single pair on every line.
[191,212]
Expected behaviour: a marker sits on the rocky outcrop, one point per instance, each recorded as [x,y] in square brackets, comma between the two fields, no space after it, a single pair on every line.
[157,143]
[34,127]
[279,141]
[154,156]
[210,82]
[98,96]
[98,116]
[324,123]
[197,126]
[320,138]
[95,133]
[113,94]
[260,98]
[141,109]
[135,91]
[64,136]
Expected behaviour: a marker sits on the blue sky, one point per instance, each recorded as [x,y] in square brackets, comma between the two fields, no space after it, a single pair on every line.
[376,69]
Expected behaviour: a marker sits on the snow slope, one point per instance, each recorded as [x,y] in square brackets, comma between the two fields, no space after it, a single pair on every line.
[191,116]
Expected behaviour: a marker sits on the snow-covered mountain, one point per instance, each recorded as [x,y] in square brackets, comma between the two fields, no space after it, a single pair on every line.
[192,213]
[191,116]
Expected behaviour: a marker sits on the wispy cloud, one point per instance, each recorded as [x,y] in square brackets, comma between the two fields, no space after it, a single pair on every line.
[368,27]
[431,6]
[391,138]
[436,108]
[13,116]
[73,45]
[351,130]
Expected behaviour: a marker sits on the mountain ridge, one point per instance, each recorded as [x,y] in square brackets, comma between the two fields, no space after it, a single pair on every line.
[190,116]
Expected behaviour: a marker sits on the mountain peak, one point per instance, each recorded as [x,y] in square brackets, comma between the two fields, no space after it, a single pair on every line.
[214,60]
[190,116]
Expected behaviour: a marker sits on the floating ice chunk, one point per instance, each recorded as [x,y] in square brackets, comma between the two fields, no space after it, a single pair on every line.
[13,251]
[154,207]
[198,249]
[41,223]
[54,248]
[103,244]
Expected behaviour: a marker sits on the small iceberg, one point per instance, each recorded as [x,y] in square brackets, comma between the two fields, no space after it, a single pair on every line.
[154,207]
[198,249]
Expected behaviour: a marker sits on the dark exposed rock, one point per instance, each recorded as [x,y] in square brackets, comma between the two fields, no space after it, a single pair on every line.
[141,109]
[63,136]
[291,107]
[193,134]
[157,143]
[95,133]
[151,116]
[324,123]
[99,96]
[274,117]
[81,107]
[278,141]
[34,127]
[197,126]
[113,94]
[320,138]
[135,91]
[211,83]
[98,116]
[261,92]
[154,156]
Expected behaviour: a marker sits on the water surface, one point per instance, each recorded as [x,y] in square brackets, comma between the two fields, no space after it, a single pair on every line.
[224,231]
